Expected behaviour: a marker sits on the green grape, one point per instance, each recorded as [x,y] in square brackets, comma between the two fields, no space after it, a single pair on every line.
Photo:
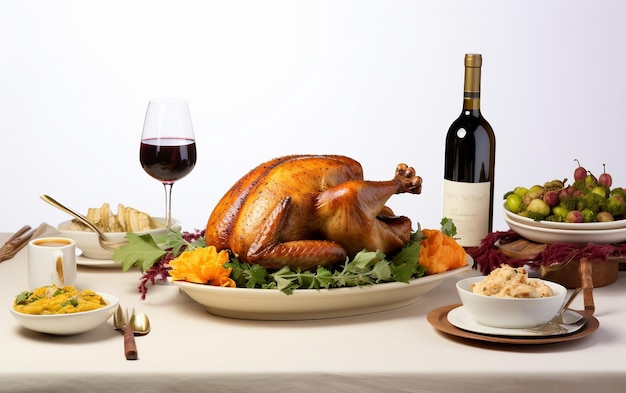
[535,191]
[520,191]
[588,215]
[560,211]
[514,203]
[604,217]
[599,190]
[538,209]
[616,205]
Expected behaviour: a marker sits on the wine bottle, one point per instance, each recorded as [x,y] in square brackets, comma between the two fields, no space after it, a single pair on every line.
[469,164]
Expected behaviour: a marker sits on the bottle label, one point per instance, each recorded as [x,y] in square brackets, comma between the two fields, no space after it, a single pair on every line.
[467,204]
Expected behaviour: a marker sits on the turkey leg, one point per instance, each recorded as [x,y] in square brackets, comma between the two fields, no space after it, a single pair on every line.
[267,250]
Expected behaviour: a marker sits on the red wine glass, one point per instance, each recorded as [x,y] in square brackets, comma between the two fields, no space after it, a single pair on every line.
[168,146]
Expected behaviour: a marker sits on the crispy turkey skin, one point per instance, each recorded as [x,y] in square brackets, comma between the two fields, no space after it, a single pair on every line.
[310,210]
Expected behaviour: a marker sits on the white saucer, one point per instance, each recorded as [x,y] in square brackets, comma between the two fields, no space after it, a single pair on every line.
[460,318]
[82,260]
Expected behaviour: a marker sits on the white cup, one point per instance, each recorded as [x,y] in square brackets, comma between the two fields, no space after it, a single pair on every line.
[51,260]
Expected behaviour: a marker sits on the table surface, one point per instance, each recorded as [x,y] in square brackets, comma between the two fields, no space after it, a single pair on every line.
[191,350]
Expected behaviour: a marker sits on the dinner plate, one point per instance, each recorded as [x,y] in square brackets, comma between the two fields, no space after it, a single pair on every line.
[589,226]
[272,304]
[438,318]
[462,319]
[581,237]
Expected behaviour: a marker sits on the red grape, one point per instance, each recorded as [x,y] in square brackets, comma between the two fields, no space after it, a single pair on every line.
[605,179]
[551,198]
[565,191]
[579,173]
[574,216]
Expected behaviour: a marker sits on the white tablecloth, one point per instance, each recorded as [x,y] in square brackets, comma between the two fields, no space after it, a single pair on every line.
[190,350]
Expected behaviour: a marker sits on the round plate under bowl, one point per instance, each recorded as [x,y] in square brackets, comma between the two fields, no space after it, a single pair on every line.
[438,318]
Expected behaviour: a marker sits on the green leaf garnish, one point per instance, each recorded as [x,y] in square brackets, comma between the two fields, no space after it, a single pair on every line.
[141,251]
[447,227]
[366,268]
[22,297]
[174,240]
[70,302]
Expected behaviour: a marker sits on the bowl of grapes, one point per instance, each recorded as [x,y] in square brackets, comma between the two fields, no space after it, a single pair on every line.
[587,209]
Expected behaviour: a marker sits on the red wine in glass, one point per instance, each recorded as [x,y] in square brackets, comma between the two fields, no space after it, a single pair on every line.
[168,147]
[167,159]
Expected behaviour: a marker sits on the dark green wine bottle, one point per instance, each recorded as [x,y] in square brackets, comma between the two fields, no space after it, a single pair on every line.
[470,152]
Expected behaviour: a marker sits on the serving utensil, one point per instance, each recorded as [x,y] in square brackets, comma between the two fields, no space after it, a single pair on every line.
[104,241]
[555,325]
[18,240]
[121,322]
[14,243]
[526,250]
[559,317]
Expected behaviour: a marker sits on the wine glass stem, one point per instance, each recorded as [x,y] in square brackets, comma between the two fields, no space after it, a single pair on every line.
[168,204]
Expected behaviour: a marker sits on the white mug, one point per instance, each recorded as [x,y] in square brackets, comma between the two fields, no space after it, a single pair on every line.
[51,260]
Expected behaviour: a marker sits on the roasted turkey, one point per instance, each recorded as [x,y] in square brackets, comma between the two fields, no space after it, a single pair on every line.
[310,210]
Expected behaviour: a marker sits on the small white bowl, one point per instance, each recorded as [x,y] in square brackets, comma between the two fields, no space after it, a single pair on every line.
[68,324]
[87,241]
[510,313]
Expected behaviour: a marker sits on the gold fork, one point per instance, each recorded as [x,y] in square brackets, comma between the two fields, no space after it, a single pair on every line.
[121,322]
[555,326]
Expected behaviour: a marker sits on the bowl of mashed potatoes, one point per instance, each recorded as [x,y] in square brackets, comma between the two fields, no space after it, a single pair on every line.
[508,298]
[62,310]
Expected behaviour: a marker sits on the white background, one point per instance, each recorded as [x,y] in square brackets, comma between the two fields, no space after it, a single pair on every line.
[379,81]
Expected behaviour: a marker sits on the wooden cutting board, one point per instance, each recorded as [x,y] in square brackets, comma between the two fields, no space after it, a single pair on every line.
[521,249]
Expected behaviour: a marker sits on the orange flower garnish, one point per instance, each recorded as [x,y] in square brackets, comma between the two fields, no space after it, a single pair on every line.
[203,265]
[440,253]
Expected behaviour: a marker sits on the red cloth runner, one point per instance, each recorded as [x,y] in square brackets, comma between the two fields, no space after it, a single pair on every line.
[487,257]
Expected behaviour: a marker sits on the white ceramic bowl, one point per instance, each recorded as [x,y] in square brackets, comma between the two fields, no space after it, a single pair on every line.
[587,226]
[543,234]
[87,241]
[67,324]
[510,313]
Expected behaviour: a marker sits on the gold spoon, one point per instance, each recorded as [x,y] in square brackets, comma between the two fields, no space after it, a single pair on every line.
[104,241]
[140,324]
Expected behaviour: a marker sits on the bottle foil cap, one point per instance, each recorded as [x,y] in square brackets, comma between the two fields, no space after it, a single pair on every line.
[473,60]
